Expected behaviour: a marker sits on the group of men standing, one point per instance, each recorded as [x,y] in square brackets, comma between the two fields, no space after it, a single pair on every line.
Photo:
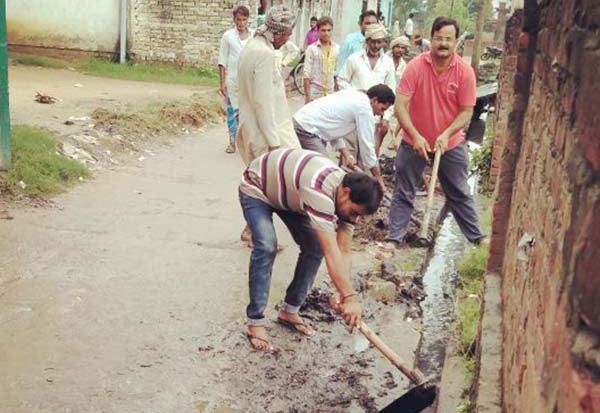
[350,95]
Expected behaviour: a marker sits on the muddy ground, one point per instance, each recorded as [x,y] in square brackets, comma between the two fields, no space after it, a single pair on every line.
[128,293]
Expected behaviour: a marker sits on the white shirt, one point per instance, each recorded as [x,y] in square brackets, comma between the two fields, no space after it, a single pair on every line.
[229,54]
[409,26]
[399,70]
[334,116]
[359,74]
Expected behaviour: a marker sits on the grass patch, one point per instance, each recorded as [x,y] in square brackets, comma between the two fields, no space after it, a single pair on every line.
[146,72]
[40,61]
[37,164]
[198,76]
[471,270]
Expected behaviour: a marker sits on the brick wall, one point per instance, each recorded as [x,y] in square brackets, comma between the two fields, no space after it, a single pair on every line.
[548,206]
[509,116]
[184,32]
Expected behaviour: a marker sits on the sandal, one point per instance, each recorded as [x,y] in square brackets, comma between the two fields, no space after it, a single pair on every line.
[251,337]
[294,326]
[230,149]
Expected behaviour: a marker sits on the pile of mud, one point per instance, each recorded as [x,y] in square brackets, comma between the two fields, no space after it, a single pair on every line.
[112,135]
[167,118]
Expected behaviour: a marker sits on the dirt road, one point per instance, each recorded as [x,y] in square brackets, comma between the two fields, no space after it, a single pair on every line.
[78,94]
[128,295]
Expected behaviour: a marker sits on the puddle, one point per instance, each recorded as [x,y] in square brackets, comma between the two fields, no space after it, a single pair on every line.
[440,282]
[438,306]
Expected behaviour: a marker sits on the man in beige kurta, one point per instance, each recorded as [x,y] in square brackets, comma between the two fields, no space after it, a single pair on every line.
[265,119]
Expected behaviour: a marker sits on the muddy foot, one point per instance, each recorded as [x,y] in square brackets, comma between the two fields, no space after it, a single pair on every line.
[295,323]
[258,338]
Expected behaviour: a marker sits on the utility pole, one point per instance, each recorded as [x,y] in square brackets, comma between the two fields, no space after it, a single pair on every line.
[5,159]
[478,34]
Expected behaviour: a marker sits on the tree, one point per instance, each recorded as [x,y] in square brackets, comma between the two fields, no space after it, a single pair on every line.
[403,7]
[457,9]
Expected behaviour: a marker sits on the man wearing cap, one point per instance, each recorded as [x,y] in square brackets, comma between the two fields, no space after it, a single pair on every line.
[355,42]
[265,118]
[367,68]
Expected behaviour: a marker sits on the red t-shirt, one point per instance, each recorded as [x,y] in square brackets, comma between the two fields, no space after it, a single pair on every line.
[435,100]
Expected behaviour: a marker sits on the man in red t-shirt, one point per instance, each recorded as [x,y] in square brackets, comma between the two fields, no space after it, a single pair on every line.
[434,101]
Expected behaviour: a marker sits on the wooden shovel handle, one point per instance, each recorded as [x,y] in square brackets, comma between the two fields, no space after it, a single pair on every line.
[434,174]
[414,375]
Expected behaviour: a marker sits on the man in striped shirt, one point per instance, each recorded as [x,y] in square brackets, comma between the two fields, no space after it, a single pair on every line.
[319,203]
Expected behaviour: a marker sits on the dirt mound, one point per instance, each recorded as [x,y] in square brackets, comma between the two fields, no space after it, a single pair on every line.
[316,307]
[166,118]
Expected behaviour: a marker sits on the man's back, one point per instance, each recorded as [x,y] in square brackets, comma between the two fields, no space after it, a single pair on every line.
[336,115]
[264,113]
[296,180]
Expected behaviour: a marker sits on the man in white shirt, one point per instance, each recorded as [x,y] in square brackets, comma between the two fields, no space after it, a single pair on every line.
[232,43]
[369,67]
[409,26]
[331,118]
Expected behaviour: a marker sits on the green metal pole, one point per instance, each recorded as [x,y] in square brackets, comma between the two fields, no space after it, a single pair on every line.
[5,159]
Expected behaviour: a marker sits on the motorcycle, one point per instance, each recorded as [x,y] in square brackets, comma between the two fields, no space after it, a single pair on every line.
[491,52]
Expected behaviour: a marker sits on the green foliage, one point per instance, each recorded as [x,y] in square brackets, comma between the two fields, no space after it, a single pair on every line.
[402,8]
[465,406]
[481,158]
[198,76]
[40,61]
[38,165]
[457,9]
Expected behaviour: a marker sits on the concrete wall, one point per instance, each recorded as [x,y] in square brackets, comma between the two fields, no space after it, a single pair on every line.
[546,228]
[90,25]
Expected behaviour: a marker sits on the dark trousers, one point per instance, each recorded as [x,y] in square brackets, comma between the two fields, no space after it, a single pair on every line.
[453,178]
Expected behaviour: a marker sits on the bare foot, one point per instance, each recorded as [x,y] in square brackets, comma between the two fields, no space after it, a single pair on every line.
[246,234]
[259,339]
[294,322]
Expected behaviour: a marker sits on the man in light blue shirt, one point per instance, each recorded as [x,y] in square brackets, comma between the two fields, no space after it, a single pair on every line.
[355,41]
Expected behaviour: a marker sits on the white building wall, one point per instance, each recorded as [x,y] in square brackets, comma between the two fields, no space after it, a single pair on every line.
[90,25]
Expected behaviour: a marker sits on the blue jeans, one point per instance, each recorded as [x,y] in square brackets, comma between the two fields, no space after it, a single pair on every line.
[259,217]
[232,123]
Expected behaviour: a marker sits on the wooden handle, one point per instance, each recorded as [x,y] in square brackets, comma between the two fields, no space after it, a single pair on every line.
[414,375]
[434,173]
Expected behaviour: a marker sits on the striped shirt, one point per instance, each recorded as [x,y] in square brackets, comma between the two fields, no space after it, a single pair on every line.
[296,180]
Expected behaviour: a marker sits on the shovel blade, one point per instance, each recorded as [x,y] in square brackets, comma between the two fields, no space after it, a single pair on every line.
[415,400]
